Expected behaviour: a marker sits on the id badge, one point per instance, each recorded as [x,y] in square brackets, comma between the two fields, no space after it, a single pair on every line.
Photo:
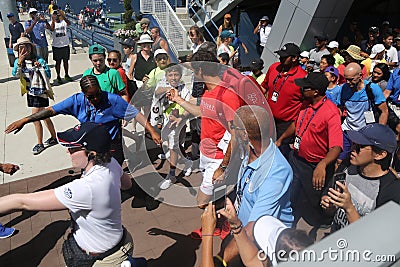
[369,116]
[296,143]
[274,96]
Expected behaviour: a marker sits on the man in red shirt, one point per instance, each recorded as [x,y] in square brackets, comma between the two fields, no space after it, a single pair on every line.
[217,108]
[317,144]
[283,95]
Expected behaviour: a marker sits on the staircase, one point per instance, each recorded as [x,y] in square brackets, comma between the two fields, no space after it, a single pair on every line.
[173,27]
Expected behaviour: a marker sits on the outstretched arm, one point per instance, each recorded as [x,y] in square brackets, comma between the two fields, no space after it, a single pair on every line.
[38,201]
[41,115]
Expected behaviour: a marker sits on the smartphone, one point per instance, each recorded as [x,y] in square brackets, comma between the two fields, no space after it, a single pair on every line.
[339,177]
[219,198]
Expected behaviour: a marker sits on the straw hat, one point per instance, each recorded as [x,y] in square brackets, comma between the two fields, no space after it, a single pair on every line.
[24,40]
[354,51]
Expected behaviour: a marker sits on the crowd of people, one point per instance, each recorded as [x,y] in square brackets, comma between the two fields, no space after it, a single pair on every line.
[314,117]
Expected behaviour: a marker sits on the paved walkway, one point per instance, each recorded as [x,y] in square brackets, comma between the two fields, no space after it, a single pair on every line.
[160,235]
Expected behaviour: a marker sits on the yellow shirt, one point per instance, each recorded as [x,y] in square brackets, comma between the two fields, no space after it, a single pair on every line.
[370,64]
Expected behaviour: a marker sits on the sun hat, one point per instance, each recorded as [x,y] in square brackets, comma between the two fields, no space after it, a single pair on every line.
[354,51]
[23,40]
[145,39]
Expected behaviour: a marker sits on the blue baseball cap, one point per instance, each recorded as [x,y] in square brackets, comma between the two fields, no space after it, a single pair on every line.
[333,70]
[375,134]
[227,34]
[9,15]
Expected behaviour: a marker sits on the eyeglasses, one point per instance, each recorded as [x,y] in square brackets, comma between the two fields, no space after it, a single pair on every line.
[112,60]
[234,127]
[73,150]
[357,147]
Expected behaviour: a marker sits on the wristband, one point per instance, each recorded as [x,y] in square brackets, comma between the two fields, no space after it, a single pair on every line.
[223,167]
[237,227]
[221,260]
[238,231]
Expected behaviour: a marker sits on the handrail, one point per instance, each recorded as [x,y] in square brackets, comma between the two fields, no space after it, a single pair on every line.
[206,13]
[169,23]
[202,22]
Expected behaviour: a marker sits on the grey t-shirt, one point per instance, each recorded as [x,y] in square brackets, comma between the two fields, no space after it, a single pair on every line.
[315,55]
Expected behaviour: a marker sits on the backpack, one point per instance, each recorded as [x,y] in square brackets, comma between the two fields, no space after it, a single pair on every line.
[248,91]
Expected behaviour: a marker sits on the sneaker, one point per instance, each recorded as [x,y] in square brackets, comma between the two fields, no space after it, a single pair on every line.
[198,233]
[38,149]
[188,167]
[164,156]
[67,78]
[59,80]
[6,231]
[165,184]
[51,141]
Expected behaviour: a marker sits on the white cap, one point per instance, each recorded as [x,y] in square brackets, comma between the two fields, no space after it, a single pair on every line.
[305,54]
[160,51]
[333,44]
[266,231]
[32,10]
[376,49]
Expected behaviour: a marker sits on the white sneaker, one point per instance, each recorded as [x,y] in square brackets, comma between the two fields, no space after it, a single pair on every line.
[188,167]
[164,156]
[165,184]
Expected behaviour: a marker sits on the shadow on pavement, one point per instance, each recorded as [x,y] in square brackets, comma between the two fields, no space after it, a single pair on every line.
[32,252]
[182,253]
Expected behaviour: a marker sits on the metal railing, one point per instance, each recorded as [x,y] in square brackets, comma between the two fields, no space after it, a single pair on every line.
[169,23]
[203,23]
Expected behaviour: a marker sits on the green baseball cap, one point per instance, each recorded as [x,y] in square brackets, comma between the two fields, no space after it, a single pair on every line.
[96,49]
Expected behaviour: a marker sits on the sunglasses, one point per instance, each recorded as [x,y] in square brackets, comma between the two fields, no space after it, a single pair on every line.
[357,147]
[145,45]
[192,34]
[91,97]
[115,60]
[73,150]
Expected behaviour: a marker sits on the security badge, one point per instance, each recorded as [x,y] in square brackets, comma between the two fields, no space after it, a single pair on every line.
[369,117]
[297,141]
[274,96]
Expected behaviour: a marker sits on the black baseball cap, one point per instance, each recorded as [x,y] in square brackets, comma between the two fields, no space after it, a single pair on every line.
[128,42]
[257,64]
[89,135]
[321,37]
[373,29]
[289,49]
[314,80]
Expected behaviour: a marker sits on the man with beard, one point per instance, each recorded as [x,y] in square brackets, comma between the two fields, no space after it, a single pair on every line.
[283,95]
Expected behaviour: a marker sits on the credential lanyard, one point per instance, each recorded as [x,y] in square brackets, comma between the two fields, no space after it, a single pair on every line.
[308,123]
[276,81]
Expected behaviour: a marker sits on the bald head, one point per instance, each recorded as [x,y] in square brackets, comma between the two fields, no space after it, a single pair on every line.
[256,120]
[352,69]
[353,76]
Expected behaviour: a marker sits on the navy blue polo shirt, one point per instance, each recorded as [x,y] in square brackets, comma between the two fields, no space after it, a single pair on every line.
[108,112]
[15,30]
